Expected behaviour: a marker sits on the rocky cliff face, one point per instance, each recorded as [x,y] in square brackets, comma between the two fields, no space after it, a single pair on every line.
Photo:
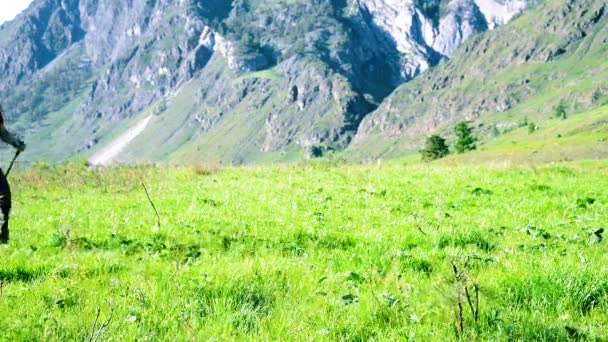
[425,32]
[309,70]
[36,39]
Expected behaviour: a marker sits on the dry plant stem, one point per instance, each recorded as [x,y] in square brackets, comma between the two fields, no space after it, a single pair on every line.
[462,279]
[460,314]
[418,225]
[420,229]
[460,323]
[470,302]
[475,309]
[96,333]
[94,325]
[152,203]
[106,323]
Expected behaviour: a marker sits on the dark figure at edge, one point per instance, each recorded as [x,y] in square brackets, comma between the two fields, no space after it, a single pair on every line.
[5,190]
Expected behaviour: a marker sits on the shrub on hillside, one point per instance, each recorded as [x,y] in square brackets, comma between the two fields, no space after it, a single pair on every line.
[434,148]
[560,111]
[596,96]
[495,131]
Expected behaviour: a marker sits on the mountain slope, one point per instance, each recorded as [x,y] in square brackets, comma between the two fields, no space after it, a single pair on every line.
[556,53]
[232,81]
[583,136]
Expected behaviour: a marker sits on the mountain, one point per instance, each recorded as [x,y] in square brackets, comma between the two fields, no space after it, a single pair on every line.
[556,54]
[223,81]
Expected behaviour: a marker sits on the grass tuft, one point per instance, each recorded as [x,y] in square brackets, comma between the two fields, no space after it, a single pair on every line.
[206,169]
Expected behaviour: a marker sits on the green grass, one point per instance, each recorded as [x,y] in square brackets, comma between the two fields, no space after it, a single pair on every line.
[319,251]
[269,74]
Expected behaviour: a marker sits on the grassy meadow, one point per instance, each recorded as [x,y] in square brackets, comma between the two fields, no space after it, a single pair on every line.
[318,251]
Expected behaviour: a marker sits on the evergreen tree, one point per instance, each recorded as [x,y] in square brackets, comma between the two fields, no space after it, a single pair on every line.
[466,141]
[434,148]
[560,111]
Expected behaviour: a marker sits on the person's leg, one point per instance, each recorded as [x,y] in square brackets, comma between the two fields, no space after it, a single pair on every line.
[4,232]
[5,207]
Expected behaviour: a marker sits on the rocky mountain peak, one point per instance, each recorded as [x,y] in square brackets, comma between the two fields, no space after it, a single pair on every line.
[310,70]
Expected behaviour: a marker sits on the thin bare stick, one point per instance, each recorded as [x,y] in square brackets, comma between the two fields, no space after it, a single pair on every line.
[94,325]
[476,287]
[470,302]
[418,225]
[460,323]
[455,271]
[152,203]
[105,324]
[420,229]
[10,167]
[476,301]
[460,314]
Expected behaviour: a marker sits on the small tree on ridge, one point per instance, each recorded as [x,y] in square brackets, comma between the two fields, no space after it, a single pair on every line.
[466,140]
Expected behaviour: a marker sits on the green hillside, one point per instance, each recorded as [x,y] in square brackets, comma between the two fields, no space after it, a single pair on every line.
[580,137]
[232,120]
[554,54]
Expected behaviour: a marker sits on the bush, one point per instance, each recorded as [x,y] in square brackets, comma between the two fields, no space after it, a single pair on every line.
[206,169]
[434,148]
[596,96]
[320,150]
[560,111]
[532,127]
[466,140]
[495,131]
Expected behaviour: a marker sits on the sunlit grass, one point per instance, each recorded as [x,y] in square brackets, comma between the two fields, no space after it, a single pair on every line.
[316,251]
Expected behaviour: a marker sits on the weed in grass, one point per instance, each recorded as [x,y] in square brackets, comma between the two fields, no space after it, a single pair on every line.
[243,304]
[21,274]
[409,262]
[206,169]
[462,240]
[585,202]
